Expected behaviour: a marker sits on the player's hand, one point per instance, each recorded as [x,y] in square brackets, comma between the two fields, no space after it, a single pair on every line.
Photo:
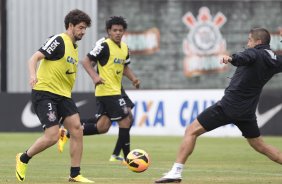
[32,81]
[226,60]
[136,83]
[98,80]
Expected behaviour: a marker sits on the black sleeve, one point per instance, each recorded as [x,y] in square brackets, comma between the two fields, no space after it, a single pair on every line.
[244,58]
[279,62]
[100,55]
[54,48]
[127,58]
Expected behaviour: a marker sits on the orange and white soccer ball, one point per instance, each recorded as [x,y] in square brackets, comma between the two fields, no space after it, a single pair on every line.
[138,160]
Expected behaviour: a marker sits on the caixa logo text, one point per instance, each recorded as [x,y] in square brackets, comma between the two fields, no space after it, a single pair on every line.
[148,114]
[162,113]
[189,110]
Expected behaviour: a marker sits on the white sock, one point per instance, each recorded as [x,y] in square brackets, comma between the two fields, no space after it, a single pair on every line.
[178,168]
[175,171]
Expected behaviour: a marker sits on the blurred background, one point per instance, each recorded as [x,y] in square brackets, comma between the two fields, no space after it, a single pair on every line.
[175,48]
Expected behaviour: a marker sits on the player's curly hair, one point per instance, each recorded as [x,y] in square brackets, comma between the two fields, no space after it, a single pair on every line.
[77,16]
[116,20]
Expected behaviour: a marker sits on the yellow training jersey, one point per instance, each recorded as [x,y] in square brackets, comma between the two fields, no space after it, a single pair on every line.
[111,60]
[57,71]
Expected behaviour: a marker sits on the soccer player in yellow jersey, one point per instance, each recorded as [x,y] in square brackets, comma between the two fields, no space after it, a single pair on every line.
[52,84]
[112,59]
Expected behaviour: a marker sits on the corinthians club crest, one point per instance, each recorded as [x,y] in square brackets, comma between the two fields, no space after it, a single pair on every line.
[203,45]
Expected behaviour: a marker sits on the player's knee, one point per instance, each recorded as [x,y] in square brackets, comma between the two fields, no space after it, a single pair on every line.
[131,119]
[103,126]
[76,130]
[257,144]
[103,129]
[51,135]
[195,129]
[125,122]
[51,140]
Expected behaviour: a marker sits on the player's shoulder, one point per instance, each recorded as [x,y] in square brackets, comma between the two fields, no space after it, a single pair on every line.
[99,49]
[53,41]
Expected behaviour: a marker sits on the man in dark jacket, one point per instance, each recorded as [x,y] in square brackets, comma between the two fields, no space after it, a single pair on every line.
[255,66]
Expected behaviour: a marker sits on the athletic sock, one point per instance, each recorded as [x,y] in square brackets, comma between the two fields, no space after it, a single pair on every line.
[74,172]
[177,168]
[124,139]
[175,172]
[117,147]
[25,158]
[89,120]
[90,129]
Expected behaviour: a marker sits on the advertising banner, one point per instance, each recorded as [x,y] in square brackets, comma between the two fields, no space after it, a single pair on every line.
[169,112]
[156,112]
[17,114]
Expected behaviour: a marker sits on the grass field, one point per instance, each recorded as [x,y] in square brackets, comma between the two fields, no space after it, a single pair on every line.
[215,161]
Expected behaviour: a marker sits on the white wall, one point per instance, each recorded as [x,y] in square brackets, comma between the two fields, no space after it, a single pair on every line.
[30,23]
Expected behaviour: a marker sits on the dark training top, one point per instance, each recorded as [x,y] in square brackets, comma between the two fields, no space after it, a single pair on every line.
[255,66]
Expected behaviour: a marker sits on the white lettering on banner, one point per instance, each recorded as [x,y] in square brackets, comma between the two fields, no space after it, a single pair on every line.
[190,111]
[169,112]
[157,119]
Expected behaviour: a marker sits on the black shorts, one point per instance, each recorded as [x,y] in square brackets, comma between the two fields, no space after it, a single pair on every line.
[129,103]
[114,107]
[50,107]
[214,117]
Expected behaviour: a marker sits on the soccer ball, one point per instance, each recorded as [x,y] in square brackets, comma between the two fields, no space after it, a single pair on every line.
[138,160]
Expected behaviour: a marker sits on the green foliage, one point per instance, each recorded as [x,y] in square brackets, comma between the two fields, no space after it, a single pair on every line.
[214,161]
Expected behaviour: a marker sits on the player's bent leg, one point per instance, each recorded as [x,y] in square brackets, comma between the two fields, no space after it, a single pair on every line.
[270,151]
[189,140]
[185,150]
[90,127]
[49,138]
[103,124]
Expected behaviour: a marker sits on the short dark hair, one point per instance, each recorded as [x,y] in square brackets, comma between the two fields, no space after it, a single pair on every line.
[77,16]
[261,34]
[116,20]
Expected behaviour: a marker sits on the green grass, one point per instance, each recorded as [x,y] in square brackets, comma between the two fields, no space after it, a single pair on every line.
[215,161]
